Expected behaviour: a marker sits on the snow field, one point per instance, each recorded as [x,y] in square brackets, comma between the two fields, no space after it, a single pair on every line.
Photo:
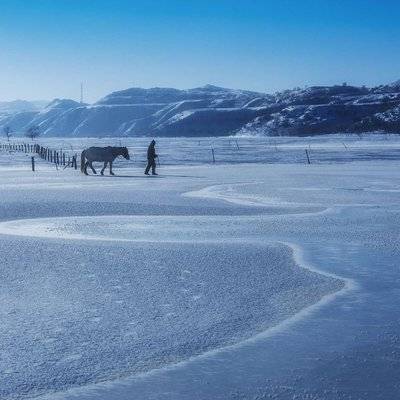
[105,280]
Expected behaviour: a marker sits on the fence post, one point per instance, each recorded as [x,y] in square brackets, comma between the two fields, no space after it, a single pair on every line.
[33,163]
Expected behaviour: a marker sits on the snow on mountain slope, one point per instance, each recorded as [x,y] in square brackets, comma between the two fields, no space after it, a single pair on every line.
[9,107]
[18,121]
[44,119]
[216,111]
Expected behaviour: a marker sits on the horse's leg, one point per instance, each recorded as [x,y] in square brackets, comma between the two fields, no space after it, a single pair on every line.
[111,173]
[85,168]
[91,166]
[104,167]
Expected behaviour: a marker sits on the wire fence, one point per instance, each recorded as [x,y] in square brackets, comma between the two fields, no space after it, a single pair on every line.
[57,157]
[63,152]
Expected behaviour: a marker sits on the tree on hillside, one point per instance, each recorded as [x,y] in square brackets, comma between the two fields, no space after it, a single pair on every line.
[32,132]
[7,132]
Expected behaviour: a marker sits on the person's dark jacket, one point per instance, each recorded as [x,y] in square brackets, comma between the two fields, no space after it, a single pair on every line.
[151,152]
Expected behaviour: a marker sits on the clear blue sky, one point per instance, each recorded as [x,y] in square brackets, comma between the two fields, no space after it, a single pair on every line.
[49,46]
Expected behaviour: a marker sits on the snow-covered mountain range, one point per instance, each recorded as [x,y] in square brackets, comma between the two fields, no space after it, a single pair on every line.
[9,107]
[216,111]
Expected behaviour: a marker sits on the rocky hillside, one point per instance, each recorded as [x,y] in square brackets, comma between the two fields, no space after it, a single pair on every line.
[331,109]
[215,111]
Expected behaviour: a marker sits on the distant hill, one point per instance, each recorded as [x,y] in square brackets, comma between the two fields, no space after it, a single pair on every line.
[216,111]
[9,107]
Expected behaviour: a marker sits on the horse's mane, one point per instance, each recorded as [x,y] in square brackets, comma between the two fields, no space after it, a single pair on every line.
[118,150]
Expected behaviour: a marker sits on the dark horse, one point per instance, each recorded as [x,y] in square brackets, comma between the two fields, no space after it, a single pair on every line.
[102,154]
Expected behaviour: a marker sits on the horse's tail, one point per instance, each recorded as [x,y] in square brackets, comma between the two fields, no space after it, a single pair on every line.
[83,161]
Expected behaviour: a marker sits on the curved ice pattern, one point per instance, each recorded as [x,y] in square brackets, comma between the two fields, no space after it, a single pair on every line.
[138,228]
[155,319]
[288,199]
[233,194]
[238,289]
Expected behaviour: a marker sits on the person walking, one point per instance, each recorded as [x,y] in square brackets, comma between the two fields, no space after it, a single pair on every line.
[151,159]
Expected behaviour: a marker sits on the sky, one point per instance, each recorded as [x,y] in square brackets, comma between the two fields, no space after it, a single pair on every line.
[48,47]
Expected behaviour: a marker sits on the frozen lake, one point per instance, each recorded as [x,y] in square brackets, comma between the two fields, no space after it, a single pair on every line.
[256,277]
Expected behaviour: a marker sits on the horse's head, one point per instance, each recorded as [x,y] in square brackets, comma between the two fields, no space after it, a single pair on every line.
[125,153]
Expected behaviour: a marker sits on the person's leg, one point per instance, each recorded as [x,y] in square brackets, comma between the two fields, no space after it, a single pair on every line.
[146,171]
[153,167]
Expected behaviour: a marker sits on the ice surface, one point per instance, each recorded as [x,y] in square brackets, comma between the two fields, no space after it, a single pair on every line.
[142,288]
[101,312]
